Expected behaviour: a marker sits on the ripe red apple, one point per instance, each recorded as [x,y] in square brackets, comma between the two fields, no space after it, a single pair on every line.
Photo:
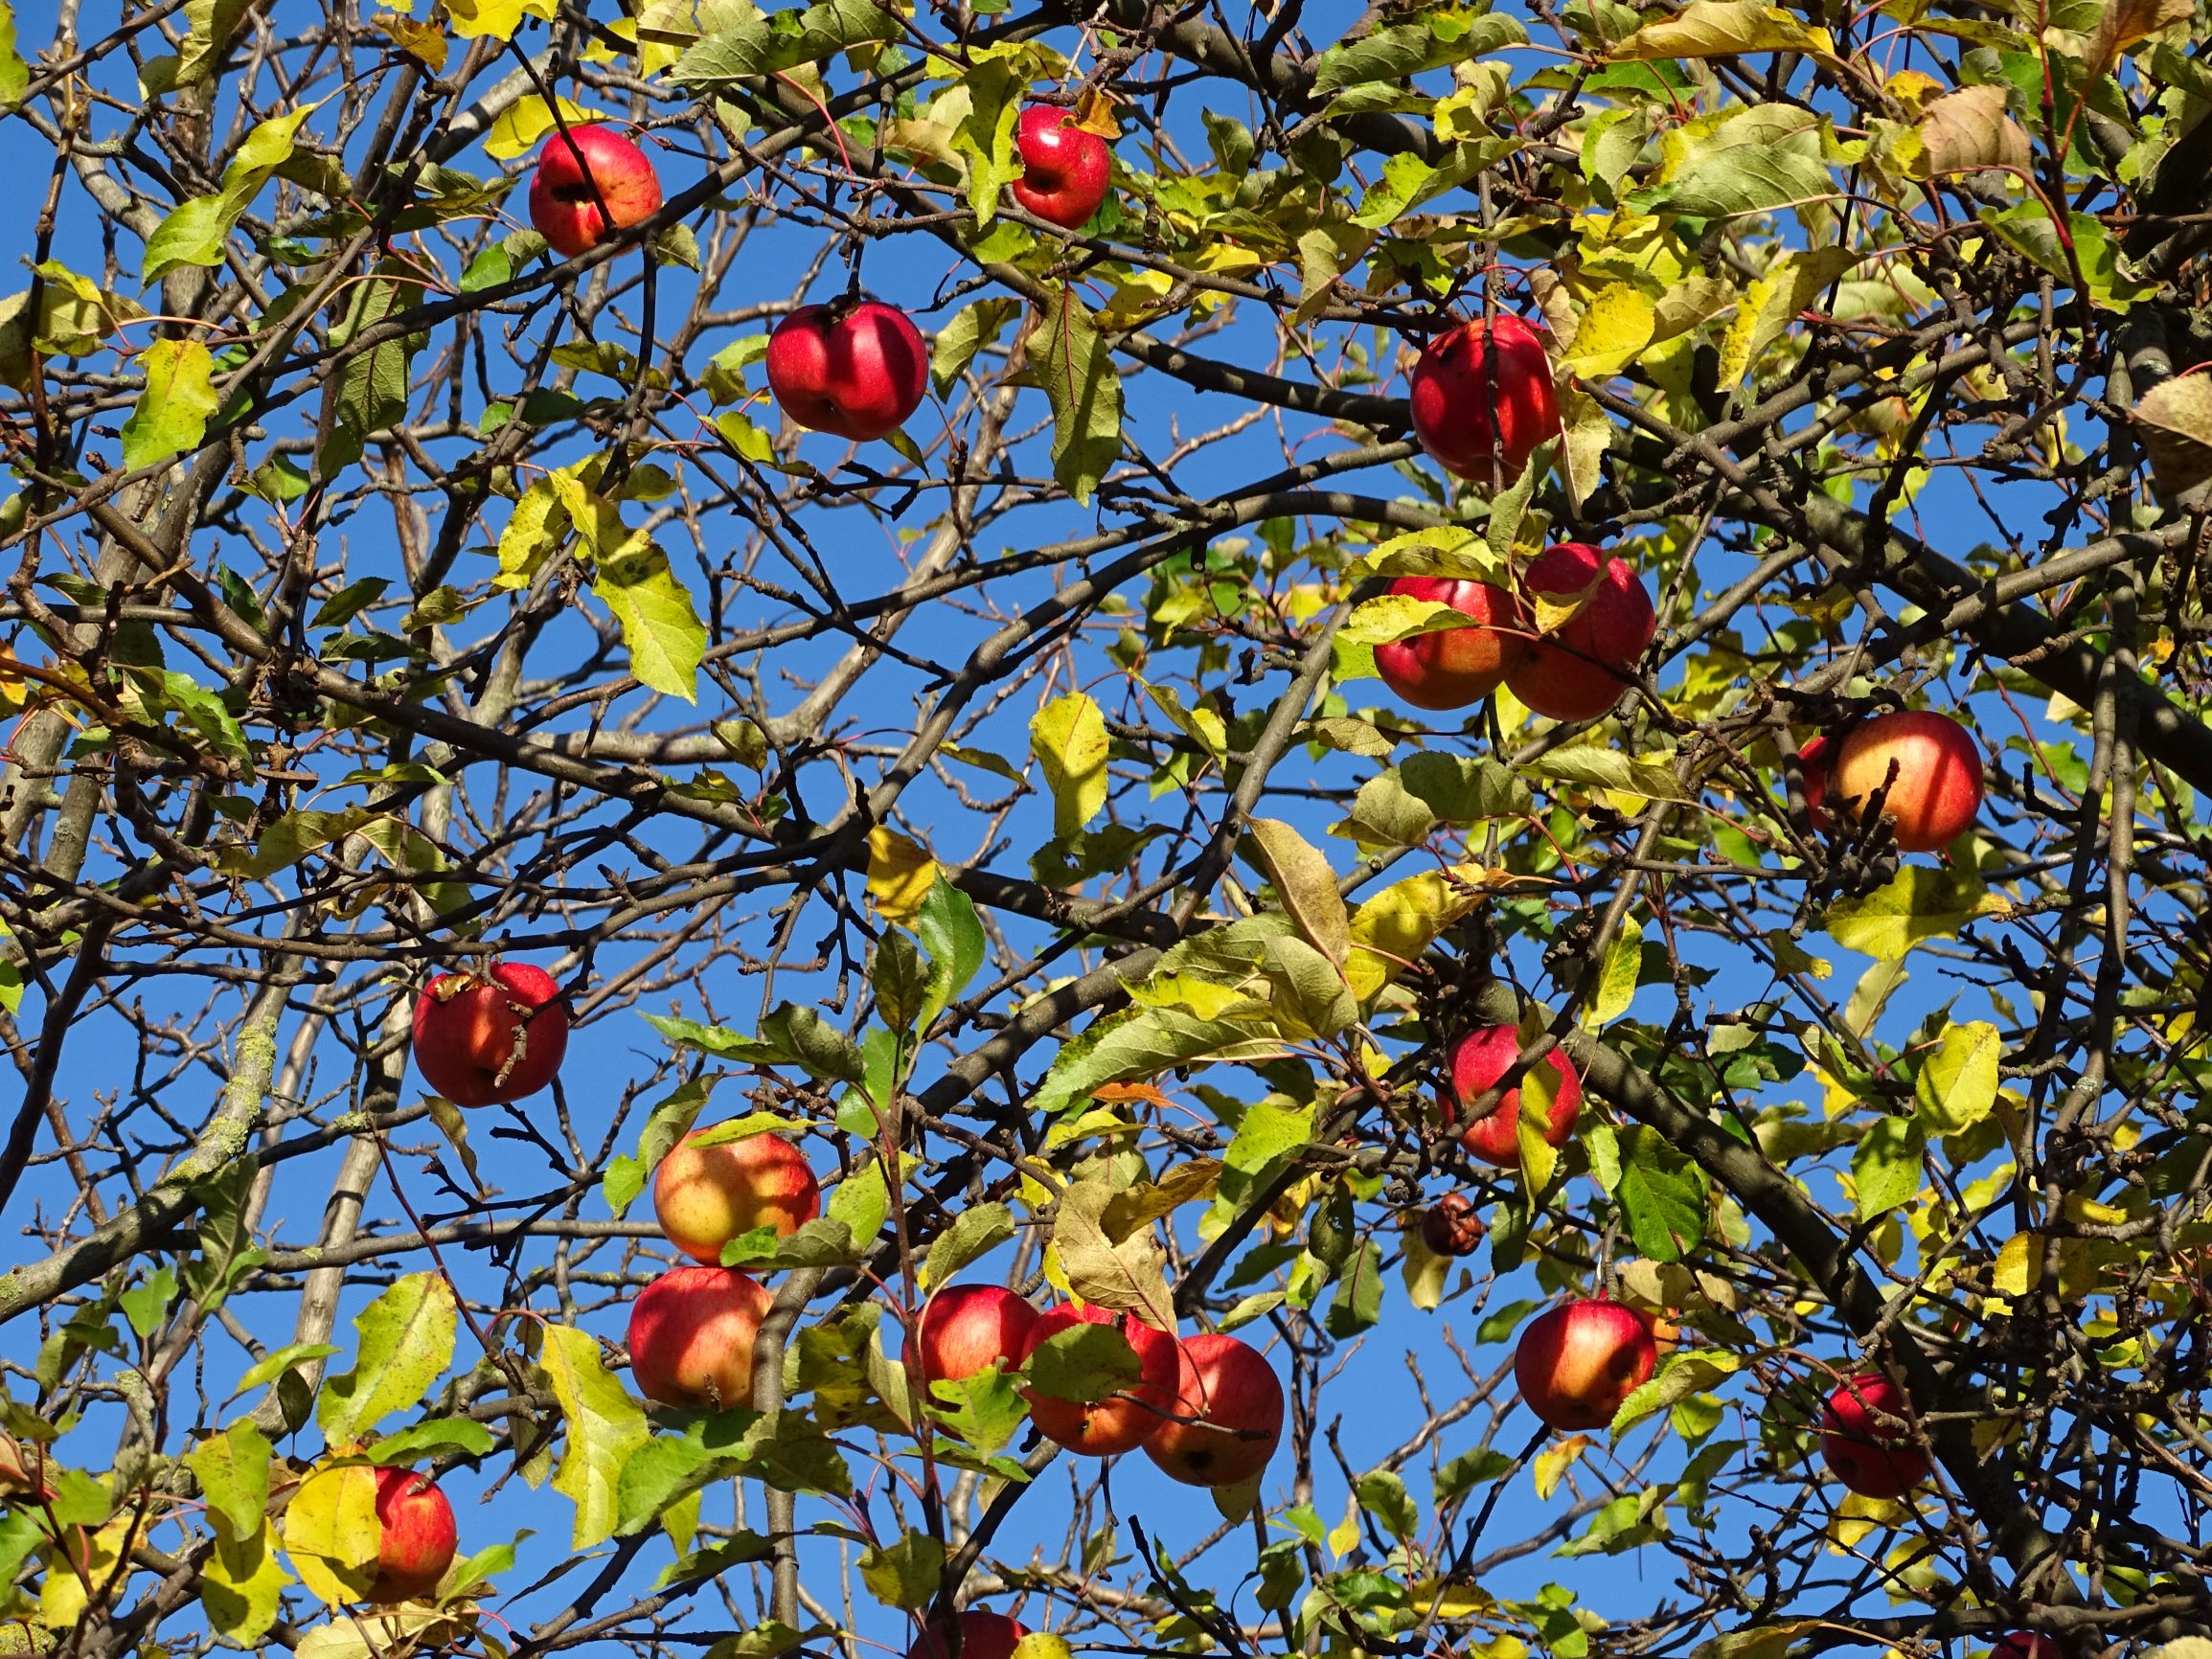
[561,204]
[979,1634]
[1931,766]
[418,1537]
[704,1196]
[1873,1460]
[1450,1226]
[1579,671]
[483,1038]
[1462,666]
[965,1327]
[691,1337]
[1236,1404]
[1106,1427]
[855,369]
[1577,1362]
[1478,1060]
[1065,169]
[1469,399]
[2024,1644]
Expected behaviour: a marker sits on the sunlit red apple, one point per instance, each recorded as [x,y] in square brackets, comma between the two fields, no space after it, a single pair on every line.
[964,1329]
[1579,671]
[978,1634]
[418,1537]
[1576,1363]
[1483,400]
[1482,1057]
[1065,169]
[563,205]
[1452,1227]
[1814,761]
[1873,1459]
[481,1040]
[1235,1402]
[1106,1427]
[1458,665]
[854,369]
[691,1337]
[1928,764]
[704,1196]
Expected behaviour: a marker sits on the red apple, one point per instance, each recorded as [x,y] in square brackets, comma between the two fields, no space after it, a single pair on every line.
[418,1539]
[1236,1404]
[1478,1060]
[1576,1363]
[1106,1427]
[1462,666]
[1925,766]
[2024,1644]
[483,1038]
[1451,1227]
[1579,671]
[1065,169]
[691,1337]
[704,1196]
[1873,1459]
[1479,412]
[853,368]
[965,1329]
[978,1634]
[563,206]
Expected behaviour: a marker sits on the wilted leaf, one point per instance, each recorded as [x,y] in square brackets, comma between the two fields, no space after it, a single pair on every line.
[1723,29]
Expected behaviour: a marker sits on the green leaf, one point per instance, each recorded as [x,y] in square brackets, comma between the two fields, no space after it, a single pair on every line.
[172,411]
[1886,1168]
[1068,738]
[819,1047]
[1958,1083]
[1382,1494]
[368,393]
[1919,901]
[1680,1374]
[976,1230]
[605,1427]
[951,932]
[233,1471]
[406,1343]
[1085,1363]
[985,1410]
[433,1438]
[194,232]
[662,631]
[1404,50]
[15,73]
[1077,371]
[273,1365]
[974,325]
[985,137]
[1662,1194]
[906,1574]
[149,1305]
[861,1202]
[1358,1303]
[1145,1046]
[769,42]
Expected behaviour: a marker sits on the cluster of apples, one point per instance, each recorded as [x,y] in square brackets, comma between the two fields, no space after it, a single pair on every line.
[1207,1409]
[854,368]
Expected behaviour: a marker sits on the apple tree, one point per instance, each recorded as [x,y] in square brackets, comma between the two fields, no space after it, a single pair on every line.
[1004,828]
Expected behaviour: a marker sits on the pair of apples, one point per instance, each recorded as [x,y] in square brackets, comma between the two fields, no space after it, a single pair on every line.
[1208,1410]
[854,368]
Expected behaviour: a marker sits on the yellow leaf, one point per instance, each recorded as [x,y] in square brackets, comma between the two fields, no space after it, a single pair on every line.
[63,1594]
[333,1534]
[1553,1463]
[528,120]
[498,18]
[1723,29]
[605,1427]
[901,874]
[1617,324]
[1345,1535]
[1958,1083]
[1068,736]
[425,43]
[1391,930]
[244,1579]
